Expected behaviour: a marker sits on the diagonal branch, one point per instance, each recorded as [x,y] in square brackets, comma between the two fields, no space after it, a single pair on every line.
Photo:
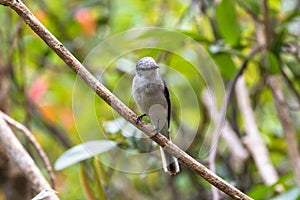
[222,115]
[288,129]
[115,103]
[16,151]
[34,142]
[253,137]
[291,85]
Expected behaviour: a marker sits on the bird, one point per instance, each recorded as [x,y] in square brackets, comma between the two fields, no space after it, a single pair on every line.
[152,97]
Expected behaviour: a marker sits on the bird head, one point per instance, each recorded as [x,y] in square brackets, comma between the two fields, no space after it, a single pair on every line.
[146,66]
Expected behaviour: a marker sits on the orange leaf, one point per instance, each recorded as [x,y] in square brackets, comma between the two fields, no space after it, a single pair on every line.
[87,21]
[38,89]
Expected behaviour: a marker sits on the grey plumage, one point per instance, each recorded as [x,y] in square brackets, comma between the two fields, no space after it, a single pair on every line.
[152,97]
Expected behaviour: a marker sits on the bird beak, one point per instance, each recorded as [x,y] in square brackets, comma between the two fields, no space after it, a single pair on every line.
[155,67]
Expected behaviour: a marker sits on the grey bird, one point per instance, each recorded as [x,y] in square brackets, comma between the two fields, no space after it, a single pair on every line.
[152,97]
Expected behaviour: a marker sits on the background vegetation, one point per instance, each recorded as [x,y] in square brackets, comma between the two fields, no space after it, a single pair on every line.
[36,88]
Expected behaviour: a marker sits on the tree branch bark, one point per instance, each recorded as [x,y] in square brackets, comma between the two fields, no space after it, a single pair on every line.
[17,152]
[222,115]
[239,154]
[115,103]
[252,140]
[287,124]
[34,142]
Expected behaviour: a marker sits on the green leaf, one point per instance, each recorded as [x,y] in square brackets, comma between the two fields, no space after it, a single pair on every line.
[98,178]
[292,194]
[225,64]
[84,180]
[82,152]
[100,171]
[227,22]
[261,192]
[271,63]
[252,5]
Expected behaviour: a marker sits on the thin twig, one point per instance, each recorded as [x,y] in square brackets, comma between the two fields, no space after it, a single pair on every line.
[227,97]
[254,16]
[35,143]
[291,86]
[222,115]
[116,104]
[10,52]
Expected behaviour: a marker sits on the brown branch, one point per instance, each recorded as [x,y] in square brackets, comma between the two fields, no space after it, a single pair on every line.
[253,139]
[10,175]
[227,97]
[116,104]
[239,154]
[229,91]
[220,124]
[267,23]
[287,124]
[35,143]
[17,152]
[222,115]
[254,16]
[291,86]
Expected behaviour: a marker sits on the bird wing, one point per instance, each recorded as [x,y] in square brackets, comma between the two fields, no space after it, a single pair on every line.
[167,95]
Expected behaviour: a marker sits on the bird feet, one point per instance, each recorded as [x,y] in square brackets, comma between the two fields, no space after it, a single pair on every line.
[139,118]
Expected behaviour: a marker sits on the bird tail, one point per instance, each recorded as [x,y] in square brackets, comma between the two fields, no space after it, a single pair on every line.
[169,162]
